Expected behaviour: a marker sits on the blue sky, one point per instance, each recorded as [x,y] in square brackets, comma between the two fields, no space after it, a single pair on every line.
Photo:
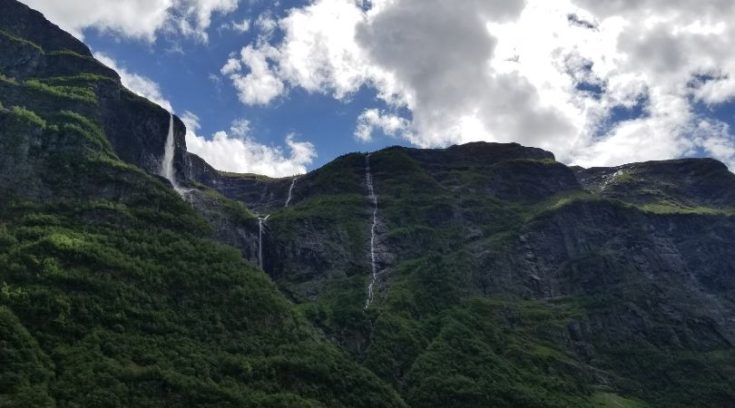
[188,74]
[597,83]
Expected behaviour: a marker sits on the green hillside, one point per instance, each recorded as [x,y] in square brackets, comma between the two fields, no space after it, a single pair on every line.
[504,278]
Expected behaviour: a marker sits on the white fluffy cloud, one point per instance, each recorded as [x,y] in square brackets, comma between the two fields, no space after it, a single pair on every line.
[319,52]
[372,119]
[142,19]
[237,152]
[260,85]
[195,16]
[597,82]
[139,84]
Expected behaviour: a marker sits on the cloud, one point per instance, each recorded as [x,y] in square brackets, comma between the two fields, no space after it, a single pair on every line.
[440,53]
[241,27]
[266,24]
[598,83]
[240,128]
[261,85]
[139,19]
[318,53]
[139,84]
[372,119]
[705,8]
[716,138]
[235,151]
[195,16]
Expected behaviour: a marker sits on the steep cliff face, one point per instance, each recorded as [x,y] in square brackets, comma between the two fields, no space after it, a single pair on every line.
[46,69]
[503,278]
[615,280]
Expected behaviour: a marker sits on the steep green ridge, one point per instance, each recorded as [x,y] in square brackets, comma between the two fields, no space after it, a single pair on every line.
[112,292]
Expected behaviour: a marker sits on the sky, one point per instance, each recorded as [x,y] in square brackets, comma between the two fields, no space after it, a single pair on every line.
[282,87]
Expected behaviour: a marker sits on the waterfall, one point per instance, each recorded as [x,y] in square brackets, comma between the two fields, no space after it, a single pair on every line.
[374,201]
[261,227]
[290,192]
[167,165]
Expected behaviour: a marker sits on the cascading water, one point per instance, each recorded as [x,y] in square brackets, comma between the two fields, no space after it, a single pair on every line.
[167,165]
[290,192]
[261,227]
[374,201]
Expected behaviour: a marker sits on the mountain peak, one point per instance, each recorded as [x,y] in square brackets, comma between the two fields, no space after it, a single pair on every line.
[690,182]
[477,153]
[23,22]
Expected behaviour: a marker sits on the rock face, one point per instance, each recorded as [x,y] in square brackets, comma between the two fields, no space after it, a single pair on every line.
[504,278]
[37,53]
[635,266]
[688,183]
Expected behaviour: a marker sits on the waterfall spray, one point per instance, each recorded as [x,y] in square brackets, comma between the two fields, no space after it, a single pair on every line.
[167,165]
[261,227]
[290,192]
[374,201]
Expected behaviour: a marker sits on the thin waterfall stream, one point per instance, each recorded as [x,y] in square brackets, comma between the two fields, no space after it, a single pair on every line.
[290,192]
[374,201]
[167,165]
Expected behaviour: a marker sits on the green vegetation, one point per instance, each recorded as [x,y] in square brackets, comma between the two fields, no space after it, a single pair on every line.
[662,206]
[258,177]
[28,116]
[10,37]
[234,210]
[70,92]
[675,208]
[503,283]
[441,347]
[88,129]
[7,80]
[158,313]
[451,328]
[113,293]
[82,79]
[69,53]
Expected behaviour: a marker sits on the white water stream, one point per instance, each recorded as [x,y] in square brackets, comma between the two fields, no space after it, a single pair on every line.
[167,165]
[374,201]
[290,192]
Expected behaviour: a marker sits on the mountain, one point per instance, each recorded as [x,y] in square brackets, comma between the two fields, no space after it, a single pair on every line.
[112,290]
[508,279]
[473,276]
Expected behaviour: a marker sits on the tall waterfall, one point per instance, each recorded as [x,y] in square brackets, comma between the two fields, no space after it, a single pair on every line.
[290,192]
[374,201]
[167,165]
[261,227]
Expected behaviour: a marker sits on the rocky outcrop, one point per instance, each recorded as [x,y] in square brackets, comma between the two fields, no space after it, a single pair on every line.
[32,26]
[687,182]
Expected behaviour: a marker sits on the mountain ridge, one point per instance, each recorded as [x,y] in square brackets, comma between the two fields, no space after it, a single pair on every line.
[504,278]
